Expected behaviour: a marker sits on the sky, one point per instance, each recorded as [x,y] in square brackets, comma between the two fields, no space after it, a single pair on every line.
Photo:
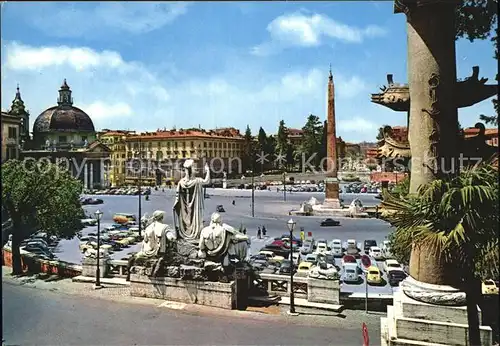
[144,66]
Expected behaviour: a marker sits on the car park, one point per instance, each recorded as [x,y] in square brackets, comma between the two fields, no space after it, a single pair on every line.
[285,267]
[352,248]
[348,259]
[489,287]
[368,244]
[392,264]
[351,273]
[394,277]
[321,248]
[373,275]
[307,247]
[329,223]
[375,253]
[271,256]
[336,248]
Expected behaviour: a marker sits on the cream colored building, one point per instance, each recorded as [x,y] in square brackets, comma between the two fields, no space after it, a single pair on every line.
[164,151]
[11,125]
[116,141]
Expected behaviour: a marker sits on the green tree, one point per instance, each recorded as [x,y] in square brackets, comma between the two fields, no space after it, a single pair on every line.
[262,146]
[270,149]
[456,219]
[380,134]
[290,157]
[311,138]
[248,150]
[39,196]
[282,139]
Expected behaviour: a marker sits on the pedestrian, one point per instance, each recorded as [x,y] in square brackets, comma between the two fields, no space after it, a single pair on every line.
[302,234]
[259,233]
[245,230]
[234,202]
[264,231]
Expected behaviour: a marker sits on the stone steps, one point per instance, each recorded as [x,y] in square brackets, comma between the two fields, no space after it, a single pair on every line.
[300,302]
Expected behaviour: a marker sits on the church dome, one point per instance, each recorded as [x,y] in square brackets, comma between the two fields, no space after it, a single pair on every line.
[64,117]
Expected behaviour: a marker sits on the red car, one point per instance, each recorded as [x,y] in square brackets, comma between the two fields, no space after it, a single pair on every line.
[349,259]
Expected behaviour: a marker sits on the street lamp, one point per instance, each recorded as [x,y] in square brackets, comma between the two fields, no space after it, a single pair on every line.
[139,185]
[291,226]
[253,193]
[98,215]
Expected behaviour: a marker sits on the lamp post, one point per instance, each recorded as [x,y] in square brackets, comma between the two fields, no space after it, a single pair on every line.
[284,186]
[98,215]
[291,226]
[139,185]
[253,193]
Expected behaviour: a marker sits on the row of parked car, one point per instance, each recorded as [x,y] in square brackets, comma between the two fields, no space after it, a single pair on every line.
[41,245]
[121,191]
[112,238]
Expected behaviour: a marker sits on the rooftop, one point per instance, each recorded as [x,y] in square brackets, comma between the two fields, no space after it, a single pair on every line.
[221,133]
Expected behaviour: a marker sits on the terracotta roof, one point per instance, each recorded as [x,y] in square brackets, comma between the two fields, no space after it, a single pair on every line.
[116,133]
[472,131]
[295,132]
[171,134]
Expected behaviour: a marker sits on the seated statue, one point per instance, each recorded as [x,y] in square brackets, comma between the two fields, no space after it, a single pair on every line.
[219,240]
[355,207]
[155,236]
[324,270]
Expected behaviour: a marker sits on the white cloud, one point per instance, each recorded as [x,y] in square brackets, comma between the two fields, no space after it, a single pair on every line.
[121,94]
[93,20]
[357,125]
[101,110]
[299,29]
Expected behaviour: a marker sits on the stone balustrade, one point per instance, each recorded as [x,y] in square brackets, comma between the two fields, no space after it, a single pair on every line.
[118,268]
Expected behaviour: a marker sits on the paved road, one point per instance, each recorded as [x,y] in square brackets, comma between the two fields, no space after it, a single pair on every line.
[39,317]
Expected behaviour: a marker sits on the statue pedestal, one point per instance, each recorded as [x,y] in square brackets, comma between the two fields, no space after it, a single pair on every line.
[413,322]
[323,291]
[89,267]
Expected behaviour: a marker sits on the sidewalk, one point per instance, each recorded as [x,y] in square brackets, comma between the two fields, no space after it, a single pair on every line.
[121,294]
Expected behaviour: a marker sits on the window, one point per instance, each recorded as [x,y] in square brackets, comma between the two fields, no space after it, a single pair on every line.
[12,132]
[62,139]
[204,144]
[192,144]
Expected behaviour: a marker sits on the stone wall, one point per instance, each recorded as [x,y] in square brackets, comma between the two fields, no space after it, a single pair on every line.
[387,176]
[216,294]
[32,264]
[323,291]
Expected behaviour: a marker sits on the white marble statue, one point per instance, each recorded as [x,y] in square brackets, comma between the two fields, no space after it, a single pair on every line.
[219,238]
[324,270]
[189,203]
[356,207]
[155,236]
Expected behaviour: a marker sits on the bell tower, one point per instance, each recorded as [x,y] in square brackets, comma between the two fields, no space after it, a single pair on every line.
[18,109]
[65,98]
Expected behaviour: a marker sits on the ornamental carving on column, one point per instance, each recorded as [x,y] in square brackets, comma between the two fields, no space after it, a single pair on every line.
[434,112]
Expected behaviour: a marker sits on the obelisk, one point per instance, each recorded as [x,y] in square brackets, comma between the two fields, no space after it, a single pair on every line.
[331,181]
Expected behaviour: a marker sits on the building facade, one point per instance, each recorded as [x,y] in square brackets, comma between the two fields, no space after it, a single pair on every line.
[156,158]
[11,126]
[115,140]
[65,134]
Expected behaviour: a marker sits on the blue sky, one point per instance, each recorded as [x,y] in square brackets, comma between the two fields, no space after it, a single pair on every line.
[145,66]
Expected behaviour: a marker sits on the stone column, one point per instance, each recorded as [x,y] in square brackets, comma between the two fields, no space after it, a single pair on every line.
[86,176]
[432,78]
[91,183]
[102,169]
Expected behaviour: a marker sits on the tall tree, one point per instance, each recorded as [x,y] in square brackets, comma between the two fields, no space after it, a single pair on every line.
[311,138]
[261,147]
[270,149]
[248,150]
[282,139]
[39,196]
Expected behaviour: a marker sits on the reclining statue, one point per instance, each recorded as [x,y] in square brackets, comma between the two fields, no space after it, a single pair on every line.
[324,270]
[219,240]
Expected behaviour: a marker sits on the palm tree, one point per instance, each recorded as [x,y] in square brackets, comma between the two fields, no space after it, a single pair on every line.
[456,219]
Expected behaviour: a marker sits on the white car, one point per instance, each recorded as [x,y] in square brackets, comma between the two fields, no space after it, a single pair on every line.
[391,264]
[376,253]
[321,248]
[337,251]
[351,243]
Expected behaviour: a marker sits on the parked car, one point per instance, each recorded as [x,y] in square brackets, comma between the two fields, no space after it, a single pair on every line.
[277,250]
[394,277]
[321,248]
[489,287]
[220,209]
[34,241]
[375,253]
[89,222]
[329,222]
[40,251]
[351,273]
[368,244]
[348,259]
[311,258]
[307,247]
[392,264]
[285,267]
[304,268]
[373,275]
[123,218]
[352,248]
[271,256]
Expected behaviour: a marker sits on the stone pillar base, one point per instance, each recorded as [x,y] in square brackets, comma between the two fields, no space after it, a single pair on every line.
[89,267]
[412,322]
[332,203]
